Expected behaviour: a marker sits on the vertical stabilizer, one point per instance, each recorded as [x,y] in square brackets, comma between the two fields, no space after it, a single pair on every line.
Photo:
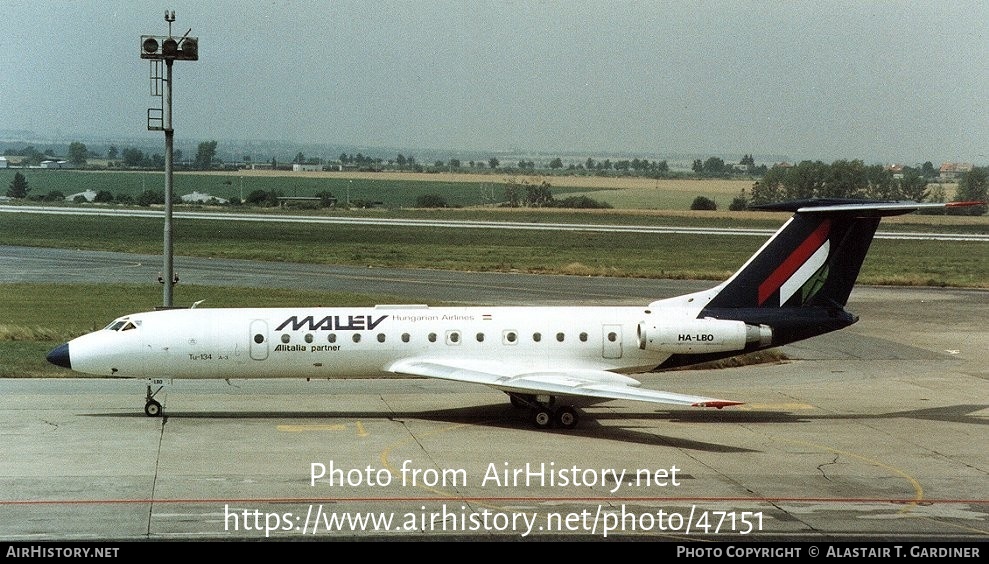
[797,284]
[813,260]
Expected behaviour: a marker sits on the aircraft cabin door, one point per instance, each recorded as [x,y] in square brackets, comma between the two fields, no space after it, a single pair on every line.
[259,339]
[611,339]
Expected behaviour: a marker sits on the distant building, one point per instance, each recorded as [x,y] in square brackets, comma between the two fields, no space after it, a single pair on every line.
[54,164]
[950,171]
[3,162]
[306,167]
[89,195]
[201,198]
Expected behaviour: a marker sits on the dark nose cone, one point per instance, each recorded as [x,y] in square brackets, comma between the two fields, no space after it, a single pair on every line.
[60,356]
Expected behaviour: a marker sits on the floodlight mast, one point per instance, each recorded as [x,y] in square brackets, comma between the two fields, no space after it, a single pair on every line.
[169,50]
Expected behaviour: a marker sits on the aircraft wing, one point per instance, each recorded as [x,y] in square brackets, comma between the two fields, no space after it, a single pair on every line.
[573,382]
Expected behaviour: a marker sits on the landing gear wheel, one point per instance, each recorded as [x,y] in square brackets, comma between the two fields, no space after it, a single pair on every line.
[566,417]
[542,417]
[152,409]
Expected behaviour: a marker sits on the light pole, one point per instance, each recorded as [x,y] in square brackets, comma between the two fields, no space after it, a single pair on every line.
[168,49]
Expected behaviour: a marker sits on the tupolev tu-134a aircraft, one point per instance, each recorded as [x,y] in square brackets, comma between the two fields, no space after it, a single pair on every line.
[794,287]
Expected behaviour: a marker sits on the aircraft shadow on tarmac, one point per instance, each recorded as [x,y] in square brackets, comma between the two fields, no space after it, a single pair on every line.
[948,414]
[494,416]
[498,416]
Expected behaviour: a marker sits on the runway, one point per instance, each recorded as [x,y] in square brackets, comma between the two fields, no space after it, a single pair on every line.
[873,433]
[458,224]
[25,264]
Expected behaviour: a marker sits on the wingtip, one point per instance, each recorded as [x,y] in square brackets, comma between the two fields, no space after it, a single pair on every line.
[717,404]
[963,204]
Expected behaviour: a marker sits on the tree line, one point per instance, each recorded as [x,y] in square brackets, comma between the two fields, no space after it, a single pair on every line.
[20,189]
[716,167]
[207,158]
[854,179]
[79,155]
[807,179]
[524,195]
[840,179]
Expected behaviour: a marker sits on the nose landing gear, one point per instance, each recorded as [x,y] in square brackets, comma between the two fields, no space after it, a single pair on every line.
[151,407]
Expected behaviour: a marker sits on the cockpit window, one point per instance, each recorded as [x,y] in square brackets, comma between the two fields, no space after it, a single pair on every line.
[123,325]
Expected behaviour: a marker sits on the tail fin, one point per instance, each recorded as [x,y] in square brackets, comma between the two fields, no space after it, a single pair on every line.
[796,286]
[813,260]
[799,281]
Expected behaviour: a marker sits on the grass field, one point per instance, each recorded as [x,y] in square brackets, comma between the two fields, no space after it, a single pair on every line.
[392,189]
[640,201]
[396,189]
[601,254]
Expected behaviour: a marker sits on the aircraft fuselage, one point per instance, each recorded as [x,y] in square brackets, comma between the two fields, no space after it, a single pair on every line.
[361,342]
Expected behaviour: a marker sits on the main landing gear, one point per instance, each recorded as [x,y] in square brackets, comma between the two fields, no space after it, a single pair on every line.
[152,408]
[544,415]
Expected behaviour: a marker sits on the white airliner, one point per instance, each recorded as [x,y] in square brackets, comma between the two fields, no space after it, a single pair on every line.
[794,287]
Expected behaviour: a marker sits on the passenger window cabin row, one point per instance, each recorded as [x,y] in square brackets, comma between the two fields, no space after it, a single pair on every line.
[508,337]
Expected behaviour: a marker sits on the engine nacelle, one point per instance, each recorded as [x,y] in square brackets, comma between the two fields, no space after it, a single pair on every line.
[699,336]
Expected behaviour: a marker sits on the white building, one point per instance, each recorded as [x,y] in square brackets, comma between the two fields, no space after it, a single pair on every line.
[89,195]
[3,162]
[306,167]
[201,198]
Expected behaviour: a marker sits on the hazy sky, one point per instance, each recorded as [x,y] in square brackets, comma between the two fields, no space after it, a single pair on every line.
[882,81]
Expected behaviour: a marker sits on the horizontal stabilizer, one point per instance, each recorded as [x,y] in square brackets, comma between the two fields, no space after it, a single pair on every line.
[858,208]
